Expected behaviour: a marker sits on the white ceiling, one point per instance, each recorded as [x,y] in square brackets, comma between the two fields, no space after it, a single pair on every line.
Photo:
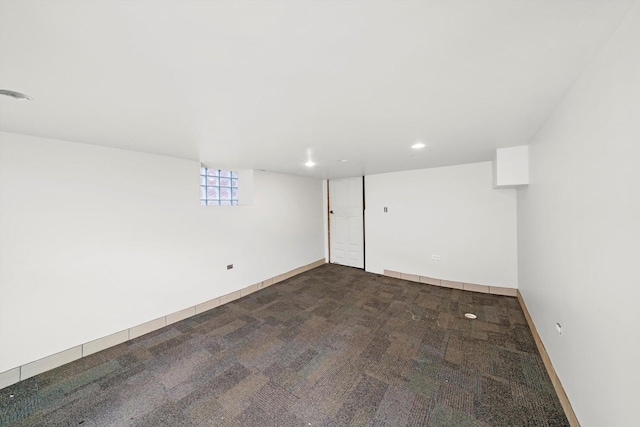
[268,85]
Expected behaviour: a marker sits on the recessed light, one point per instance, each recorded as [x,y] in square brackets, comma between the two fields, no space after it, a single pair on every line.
[418,145]
[309,164]
[343,161]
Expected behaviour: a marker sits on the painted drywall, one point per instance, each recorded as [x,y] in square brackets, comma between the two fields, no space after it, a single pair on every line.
[95,240]
[511,167]
[452,212]
[579,234]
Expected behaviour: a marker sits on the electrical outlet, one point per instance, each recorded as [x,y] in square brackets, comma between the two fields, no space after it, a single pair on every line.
[229,267]
[385,209]
[435,257]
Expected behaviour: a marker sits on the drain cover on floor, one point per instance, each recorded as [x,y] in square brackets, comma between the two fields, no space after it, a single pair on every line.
[470,316]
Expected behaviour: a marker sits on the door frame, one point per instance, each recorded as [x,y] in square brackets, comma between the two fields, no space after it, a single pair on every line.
[364,229]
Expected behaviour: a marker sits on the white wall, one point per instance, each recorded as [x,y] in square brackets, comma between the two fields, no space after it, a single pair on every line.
[579,234]
[450,211]
[95,240]
[511,167]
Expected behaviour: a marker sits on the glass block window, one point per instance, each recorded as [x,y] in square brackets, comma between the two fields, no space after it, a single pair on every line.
[218,188]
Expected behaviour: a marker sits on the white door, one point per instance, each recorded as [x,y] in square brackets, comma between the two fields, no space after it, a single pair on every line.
[346,220]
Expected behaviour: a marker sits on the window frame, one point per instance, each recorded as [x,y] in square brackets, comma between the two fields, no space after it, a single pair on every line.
[212,188]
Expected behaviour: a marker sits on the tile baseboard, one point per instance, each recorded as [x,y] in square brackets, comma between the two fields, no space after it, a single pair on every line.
[53,361]
[508,292]
[394,274]
[50,362]
[429,280]
[105,342]
[145,328]
[181,315]
[476,288]
[471,287]
[265,283]
[9,377]
[410,277]
[557,385]
[248,290]
[230,297]
[451,284]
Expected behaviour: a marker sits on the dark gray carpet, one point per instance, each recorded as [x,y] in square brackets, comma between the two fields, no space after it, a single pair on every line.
[334,346]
